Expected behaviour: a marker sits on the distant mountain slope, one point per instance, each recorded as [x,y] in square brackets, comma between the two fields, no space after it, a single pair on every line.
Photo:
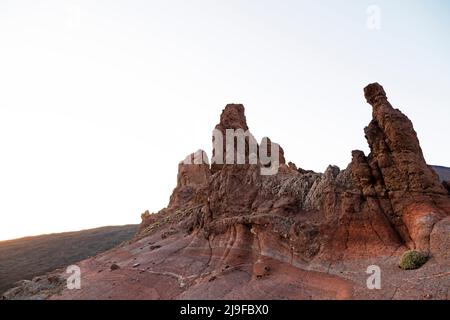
[28,257]
[443,172]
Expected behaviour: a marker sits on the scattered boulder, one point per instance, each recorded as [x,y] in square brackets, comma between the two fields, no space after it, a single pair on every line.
[114,267]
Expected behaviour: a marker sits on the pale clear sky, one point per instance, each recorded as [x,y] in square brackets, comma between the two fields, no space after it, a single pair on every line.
[100,100]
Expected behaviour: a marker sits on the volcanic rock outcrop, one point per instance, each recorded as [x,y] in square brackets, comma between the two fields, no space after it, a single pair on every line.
[232,231]
[395,173]
[390,197]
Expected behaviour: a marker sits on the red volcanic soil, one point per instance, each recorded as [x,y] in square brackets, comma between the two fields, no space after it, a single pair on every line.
[191,267]
[231,232]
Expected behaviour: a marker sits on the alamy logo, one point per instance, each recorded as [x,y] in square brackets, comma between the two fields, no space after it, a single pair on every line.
[374,281]
[373,17]
[74,280]
[239,147]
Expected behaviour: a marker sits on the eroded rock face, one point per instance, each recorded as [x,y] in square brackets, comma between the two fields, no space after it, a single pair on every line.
[234,144]
[232,117]
[191,191]
[387,199]
[396,174]
[382,201]
[440,241]
[193,175]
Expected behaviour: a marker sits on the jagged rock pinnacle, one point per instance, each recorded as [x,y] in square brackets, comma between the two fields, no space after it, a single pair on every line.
[374,92]
[233,117]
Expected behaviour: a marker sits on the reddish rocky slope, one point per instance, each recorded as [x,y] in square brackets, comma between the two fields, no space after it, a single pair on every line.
[231,232]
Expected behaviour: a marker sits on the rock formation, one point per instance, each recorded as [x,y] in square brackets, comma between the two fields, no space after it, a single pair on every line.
[230,231]
[232,117]
[392,189]
[396,174]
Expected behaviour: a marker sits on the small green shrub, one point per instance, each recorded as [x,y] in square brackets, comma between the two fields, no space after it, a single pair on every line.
[411,260]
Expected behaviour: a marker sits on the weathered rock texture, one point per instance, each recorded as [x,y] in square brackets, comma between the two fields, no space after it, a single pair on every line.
[396,174]
[231,232]
[232,117]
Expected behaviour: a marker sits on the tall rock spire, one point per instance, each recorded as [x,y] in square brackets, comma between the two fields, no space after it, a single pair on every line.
[232,117]
[395,172]
[395,147]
